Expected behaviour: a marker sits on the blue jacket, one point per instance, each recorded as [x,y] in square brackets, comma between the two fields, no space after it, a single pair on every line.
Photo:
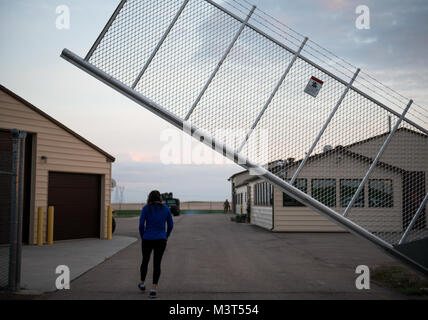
[152,222]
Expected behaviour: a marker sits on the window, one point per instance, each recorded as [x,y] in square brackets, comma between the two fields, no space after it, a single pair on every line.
[256,194]
[239,198]
[287,201]
[324,190]
[263,194]
[380,193]
[347,191]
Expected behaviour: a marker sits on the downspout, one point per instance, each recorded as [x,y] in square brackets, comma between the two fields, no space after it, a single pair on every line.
[233,197]
[273,209]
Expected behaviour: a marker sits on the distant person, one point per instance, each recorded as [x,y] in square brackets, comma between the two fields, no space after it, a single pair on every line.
[226,206]
[155,228]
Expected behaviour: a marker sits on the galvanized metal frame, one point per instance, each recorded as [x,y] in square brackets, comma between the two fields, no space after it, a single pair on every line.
[13,214]
[220,63]
[415,217]
[376,160]
[20,211]
[240,160]
[324,127]
[160,43]
[16,209]
[269,101]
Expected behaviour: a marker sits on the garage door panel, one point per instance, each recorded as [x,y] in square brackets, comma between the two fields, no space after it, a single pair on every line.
[68,197]
[72,181]
[76,198]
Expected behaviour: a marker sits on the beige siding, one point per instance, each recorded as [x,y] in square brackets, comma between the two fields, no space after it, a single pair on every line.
[65,153]
[407,150]
[374,219]
[300,219]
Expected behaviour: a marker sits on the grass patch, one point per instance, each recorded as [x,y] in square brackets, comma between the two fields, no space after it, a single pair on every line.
[401,279]
[201,211]
[127,213]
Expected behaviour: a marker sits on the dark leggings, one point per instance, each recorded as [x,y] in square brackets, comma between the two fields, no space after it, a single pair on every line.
[158,246]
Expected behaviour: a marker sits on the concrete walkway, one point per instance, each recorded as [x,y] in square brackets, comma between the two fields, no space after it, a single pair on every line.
[39,263]
[210,257]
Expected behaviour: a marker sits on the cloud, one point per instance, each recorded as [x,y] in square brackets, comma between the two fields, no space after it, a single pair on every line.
[335,4]
[364,40]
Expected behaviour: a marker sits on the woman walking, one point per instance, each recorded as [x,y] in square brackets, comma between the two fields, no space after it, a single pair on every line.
[154,217]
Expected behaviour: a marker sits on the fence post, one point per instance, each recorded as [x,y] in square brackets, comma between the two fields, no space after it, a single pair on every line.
[22,137]
[12,286]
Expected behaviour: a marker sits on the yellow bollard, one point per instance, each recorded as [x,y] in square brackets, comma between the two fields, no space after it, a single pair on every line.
[110,223]
[40,226]
[50,225]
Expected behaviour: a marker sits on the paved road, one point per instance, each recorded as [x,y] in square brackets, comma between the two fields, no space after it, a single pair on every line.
[209,257]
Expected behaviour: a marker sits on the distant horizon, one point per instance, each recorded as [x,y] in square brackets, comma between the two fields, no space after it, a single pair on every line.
[113,203]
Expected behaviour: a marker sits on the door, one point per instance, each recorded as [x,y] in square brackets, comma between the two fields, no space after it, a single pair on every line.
[76,198]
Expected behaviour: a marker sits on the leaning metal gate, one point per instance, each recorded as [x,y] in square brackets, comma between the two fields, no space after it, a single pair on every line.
[350,148]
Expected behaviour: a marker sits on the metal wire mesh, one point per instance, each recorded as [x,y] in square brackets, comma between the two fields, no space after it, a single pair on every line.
[132,37]
[286,131]
[294,118]
[231,100]
[397,187]
[183,64]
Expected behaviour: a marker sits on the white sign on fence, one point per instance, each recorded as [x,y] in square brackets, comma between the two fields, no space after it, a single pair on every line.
[314,86]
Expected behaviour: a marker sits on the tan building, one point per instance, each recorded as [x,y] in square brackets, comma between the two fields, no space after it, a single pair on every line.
[387,203]
[62,169]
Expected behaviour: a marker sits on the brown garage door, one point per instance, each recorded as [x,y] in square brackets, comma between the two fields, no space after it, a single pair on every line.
[76,198]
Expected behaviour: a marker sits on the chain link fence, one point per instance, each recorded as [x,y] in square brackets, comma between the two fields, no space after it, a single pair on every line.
[280,100]
[11,170]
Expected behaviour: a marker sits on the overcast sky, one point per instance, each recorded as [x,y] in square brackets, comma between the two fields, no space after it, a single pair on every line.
[394,50]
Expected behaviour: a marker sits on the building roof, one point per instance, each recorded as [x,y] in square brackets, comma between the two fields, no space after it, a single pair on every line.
[56,122]
[350,153]
[384,135]
[339,149]
[344,150]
